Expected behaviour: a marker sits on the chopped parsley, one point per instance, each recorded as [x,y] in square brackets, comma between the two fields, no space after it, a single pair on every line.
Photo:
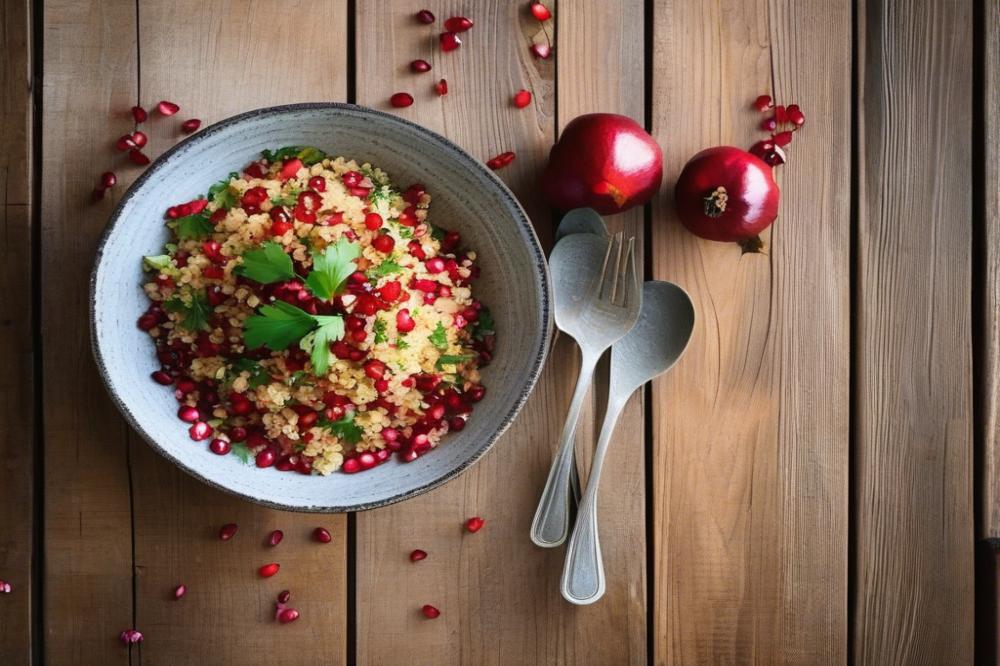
[484,325]
[307,154]
[194,315]
[258,375]
[345,429]
[157,262]
[289,199]
[379,329]
[241,451]
[222,195]
[387,267]
[332,267]
[268,264]
[452,359]
[439,338]
[401,343]
[193,226]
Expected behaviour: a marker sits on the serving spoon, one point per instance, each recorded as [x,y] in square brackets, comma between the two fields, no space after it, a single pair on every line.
[654,344]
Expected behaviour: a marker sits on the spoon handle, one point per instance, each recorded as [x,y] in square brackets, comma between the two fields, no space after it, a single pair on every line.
[583,572]
[551,523]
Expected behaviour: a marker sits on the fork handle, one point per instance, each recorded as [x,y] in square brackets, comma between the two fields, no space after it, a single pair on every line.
[551,523]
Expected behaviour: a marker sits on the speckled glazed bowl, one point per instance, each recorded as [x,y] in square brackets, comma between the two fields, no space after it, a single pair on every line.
[467,197]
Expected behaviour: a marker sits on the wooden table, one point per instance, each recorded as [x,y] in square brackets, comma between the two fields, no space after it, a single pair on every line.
[811,484]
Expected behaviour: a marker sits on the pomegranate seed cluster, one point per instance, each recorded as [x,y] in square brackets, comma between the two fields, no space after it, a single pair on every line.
[311,318]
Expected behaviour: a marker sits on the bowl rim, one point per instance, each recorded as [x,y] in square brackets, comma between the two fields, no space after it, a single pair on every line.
[520,217]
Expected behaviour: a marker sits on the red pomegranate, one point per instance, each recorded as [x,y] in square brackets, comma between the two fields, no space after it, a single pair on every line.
[603,161]
[726,194]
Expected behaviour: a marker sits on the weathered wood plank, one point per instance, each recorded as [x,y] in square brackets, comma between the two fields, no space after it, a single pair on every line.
[90,71]
[750,429]
[17,346]
[228,611]
[912,489]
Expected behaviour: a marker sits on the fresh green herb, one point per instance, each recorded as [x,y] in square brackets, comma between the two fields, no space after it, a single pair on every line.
[193,226]
[279,325]
[310,155]
[484,325]
[404,232]
[332,267]
[242,452]
[194,315]
[317,343]
[288,200]
[439,338]
[401,343]
[171,248]
[379,329]
[268,264]
[387,267]
[258,375]
[346,429]
[298,378]
[437,233]
[222,195]
[451,359]
[157,262]
[307,154]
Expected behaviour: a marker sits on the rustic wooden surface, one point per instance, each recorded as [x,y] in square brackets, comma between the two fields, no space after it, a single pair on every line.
[799,489]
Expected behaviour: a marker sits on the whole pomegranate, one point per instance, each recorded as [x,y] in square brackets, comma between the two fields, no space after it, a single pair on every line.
[726,194]
[603,161]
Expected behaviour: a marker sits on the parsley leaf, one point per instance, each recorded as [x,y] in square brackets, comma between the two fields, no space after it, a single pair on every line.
[221,195]
[451,359]
[439,338]
[258,375]
[345,428]
[194,315]
[268,264]
[332,267]
[437,233]
[401,343]
[299,377]
[310,155]
[330,329]
[193,226]
[242,452]
[379,329]
[277,326]
[484,325]
[387,267]
[307,154]
[157,262]
[288,200]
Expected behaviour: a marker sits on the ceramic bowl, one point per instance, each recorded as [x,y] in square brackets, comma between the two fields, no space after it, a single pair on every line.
[467,197]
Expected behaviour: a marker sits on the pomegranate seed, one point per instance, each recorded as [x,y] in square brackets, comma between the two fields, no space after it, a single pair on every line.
[284,596]
[476,393]
[275,538]
[430,612]
[501,160]
[474,524]
[541,51]
[139,114]
[375,369]
[441,88]
[180,591]
[780,115]
[265,458]
[522,98]
[287,615]
[420,66]
[417,555]
[449,41]
[404,323]
[139,138]
[351,465]
[219,447]
[762,103]
[373,221]
[367,460]
[401,100]
[456,423]
[782,138]
[228,531]
[383,243]
[425,16]
[161,377]
[433,265]
[96,195]
[795,115]
[167,108]
[457,24]
[130,636]
[136,156]
[190,125]
[768,125]
[317,183]
[188,414]
[125,142]
[108,179]
[322,535]
[199,431]
[268,570]
[540,11]
[352,178]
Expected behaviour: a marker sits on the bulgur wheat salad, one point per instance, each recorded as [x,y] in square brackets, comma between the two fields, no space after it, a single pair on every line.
[310,317]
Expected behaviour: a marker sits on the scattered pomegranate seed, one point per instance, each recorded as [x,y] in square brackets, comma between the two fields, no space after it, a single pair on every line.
[457,24]
[190,125]
[322,535]
[130,636]
[228,531]
[139,114]
[449,41]
[425,16]
[769,152]
[401,100]
[219,447]
[474,524]
[136,156]
[4,587]
[139,138]
[762,103]
[782,138]
[795,115]
[779,114]
[96,195]
[275,538]
[768,125]
[501,160]
[430,612]
[287,615]
[418,555]
[441,88]
[420,66]
[522,98]
[180,591]
[167,108]
[108,179]
[268,570]
[541,51]
[540,11]
[125,142]
[284,596]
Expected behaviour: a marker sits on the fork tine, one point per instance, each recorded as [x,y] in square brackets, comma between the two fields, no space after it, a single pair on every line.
[609,275]
[627,276]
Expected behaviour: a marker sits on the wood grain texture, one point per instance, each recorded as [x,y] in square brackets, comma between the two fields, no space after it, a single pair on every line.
[90,72]
[498,593]
[228,612]
[913,453]
[750,428]
[990,280]
[17,346]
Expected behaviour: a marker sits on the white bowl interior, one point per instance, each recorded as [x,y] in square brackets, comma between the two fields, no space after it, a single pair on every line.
[466,197]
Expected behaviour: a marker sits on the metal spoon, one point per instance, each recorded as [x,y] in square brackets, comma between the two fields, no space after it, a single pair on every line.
[596,308]
[648,350]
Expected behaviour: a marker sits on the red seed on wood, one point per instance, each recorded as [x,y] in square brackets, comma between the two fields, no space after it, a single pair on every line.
[139,138]
[500,161]
[228,531]
[287,615]
[190,125]
[522,98]
[136,156]
[457,24]
[474,524]
[430,612]
[167,108]
[420,66]
[275,537]
[441,88]
[425,16]
[540,11]
[541,51]
[418,555]
[180,591]
[139,114]
[108,179]
[269,569]
[449,41]
[401,100]
[322,535]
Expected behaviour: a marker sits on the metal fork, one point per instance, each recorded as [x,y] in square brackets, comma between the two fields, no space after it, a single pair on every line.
[596,311]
